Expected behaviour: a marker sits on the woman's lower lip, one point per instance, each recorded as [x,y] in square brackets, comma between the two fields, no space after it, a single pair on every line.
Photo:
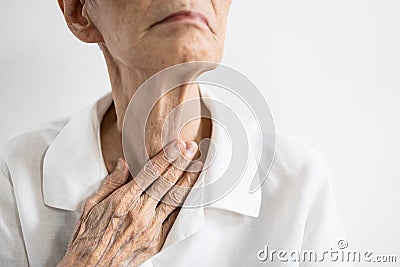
[184,17]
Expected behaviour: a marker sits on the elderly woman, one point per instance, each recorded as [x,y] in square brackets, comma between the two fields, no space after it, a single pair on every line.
[46,175]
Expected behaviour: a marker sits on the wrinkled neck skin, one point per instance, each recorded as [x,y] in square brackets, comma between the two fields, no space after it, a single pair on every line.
[124,82]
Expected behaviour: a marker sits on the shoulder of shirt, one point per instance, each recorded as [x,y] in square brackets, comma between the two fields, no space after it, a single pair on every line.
[292,152]
[296,162]
[28,147]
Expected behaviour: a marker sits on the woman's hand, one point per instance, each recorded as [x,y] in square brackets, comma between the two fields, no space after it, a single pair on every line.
[124,225]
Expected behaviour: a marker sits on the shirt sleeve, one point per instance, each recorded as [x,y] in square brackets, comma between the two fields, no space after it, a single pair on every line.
[323,231]
[12,248]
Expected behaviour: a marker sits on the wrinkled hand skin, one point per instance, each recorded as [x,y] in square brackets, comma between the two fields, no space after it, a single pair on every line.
[124,225]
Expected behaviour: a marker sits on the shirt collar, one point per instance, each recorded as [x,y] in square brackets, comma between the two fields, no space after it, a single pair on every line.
[73,166]
[238,199]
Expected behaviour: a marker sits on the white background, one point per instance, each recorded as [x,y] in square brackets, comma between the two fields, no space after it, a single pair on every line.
[329,69]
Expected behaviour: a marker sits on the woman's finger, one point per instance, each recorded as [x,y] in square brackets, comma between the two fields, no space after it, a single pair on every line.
[132,191]
[173,173]
[166,227]
[159,163]
[112,182]
[176,196]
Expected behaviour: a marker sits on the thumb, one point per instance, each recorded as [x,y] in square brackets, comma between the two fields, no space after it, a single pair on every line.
[115,180]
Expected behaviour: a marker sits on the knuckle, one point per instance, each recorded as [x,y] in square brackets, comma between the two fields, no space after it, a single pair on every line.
[133,188]
[162,212]
[113,181]
[155,191]
[171,175]
[159,163]
[109,178]
[88,205]
[114,177]
[190,179]
[115,223]
[119,205]
[175,197]
[159,212]
[142,181]
[133,210]
[181,164]
[150,169]
[193,176]
[115,200]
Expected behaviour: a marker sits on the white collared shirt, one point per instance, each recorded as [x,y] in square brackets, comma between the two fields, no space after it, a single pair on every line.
[45,176]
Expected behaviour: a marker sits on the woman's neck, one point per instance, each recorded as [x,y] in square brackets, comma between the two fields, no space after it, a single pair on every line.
[124,82]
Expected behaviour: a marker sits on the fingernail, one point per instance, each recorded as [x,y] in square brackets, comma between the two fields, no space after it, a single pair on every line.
[180,145]
[191,149]
[173,149]
[120,164]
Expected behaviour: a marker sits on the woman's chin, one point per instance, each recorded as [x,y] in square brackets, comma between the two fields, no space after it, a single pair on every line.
[193,47]
[157,58]
[188,54]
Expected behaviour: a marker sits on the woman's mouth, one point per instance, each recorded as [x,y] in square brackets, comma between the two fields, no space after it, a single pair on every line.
[184,15]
